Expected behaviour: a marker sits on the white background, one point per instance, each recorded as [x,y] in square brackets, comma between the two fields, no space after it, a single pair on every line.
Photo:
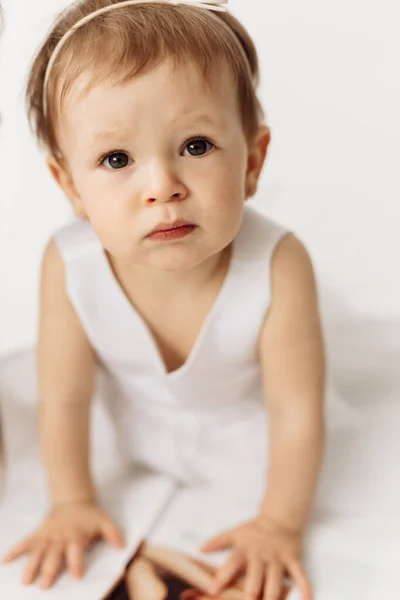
[331,88]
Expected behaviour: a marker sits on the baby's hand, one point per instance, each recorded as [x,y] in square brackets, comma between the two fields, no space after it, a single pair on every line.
[265,552]
[65,534]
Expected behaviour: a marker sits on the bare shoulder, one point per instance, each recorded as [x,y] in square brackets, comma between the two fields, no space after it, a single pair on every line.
[52,263]
[65,355]
[291,345]
[294,308]
[292,264]
[53,280]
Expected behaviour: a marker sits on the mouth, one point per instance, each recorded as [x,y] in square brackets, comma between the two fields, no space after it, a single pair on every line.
[163,227]
[171,231]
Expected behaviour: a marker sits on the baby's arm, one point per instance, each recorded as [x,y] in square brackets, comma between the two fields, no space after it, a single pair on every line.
[66,384]
[66,371]
[293,363]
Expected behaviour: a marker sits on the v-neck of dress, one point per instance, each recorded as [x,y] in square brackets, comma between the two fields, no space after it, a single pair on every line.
[129,312]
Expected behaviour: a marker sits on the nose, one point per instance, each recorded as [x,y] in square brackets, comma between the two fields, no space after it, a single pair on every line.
[161,184]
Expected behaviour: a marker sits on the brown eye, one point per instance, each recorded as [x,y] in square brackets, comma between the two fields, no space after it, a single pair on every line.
[198,147]
[116,161]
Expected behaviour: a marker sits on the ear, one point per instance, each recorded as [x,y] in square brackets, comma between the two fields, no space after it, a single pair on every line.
[256,158]
[60,172]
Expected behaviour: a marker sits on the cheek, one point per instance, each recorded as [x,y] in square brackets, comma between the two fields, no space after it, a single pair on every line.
[235,175]
[100,205]
[226,180]
[231,194]
[105,210]
[107,224]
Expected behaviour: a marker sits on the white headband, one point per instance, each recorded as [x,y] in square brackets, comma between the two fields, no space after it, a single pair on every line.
[215,5]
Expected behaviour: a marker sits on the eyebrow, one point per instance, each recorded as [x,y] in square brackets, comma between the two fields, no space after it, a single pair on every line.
[106,135]
[201,118]
[115,133]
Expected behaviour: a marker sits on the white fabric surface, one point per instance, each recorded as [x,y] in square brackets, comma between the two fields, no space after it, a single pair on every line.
[360,476]
[134,501]
[359,491]
[188,422]
[344,562]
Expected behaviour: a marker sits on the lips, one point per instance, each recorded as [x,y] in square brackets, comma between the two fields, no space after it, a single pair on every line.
[170,226]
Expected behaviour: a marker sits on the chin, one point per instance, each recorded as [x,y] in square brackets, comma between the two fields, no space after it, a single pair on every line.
[181,260]
[174,265]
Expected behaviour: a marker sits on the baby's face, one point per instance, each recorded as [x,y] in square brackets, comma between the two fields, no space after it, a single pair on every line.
[135,163]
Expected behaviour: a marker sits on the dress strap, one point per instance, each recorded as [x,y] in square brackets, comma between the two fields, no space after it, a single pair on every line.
[76,239]
[258,236]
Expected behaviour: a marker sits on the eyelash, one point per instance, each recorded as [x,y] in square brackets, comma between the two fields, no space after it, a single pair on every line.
[197,138]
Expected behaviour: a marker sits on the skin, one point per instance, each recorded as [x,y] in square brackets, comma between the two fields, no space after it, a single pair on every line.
[163,180]
[142,580]
[153,120]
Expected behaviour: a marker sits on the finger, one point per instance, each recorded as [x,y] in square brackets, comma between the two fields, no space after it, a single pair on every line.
[52,564]
[75,556]
[274,582]
[112,534]
[35,560]
[287,588]
[223,541]
[18,550]
[227,573]
[142,581]
[254,580]
[300,578]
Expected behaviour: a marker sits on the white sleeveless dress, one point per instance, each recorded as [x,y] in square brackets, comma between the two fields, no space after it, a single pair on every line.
[206,421]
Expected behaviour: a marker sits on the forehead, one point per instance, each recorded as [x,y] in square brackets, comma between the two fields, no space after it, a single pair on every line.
[166,96]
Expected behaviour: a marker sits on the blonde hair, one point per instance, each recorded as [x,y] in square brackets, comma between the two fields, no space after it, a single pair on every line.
[122,44]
